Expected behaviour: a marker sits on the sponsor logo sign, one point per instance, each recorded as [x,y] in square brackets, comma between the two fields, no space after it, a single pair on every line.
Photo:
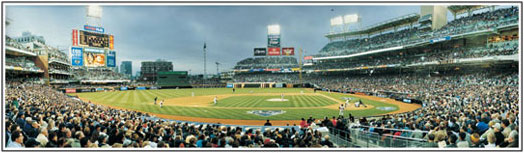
[440,39]
[288,51]
[260,52]
[70,90]
[111,59]
[273,41]
[266,113]
[75,37]
[93,28]
[273,51]
[76,56]
[386,108]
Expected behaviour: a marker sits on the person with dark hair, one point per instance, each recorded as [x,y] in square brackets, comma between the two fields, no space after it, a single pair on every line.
[452,141]
[462,143]
[267,123]
[17,139]
[431,142]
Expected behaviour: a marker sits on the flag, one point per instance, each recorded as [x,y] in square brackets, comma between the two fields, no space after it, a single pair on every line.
[204,45]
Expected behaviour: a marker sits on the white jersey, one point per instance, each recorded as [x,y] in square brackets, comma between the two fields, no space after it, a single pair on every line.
[215,100]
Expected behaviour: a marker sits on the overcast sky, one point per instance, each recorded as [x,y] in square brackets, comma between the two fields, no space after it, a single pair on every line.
[177,33]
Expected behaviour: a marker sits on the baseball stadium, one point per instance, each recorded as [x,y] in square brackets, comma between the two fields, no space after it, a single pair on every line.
[437,78]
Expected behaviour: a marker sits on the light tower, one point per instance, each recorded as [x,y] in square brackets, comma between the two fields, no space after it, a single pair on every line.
[94,15]
[217,67]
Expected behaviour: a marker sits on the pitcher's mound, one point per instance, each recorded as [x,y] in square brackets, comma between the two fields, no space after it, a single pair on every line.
[277,100]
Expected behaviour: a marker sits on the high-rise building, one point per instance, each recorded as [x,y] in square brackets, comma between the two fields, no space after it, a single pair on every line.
[149,69]
[126,68]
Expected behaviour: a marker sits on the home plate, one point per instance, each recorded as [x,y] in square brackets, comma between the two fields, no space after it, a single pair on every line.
[277,99]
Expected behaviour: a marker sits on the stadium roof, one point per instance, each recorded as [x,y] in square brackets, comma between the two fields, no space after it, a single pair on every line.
[463,8]
[409,18]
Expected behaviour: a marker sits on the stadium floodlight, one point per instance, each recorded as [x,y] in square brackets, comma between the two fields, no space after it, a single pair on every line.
[273,29]
[94,11]
[336,21]
[350,18]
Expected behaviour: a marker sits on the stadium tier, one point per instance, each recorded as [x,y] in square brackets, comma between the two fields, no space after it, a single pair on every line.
[456,86]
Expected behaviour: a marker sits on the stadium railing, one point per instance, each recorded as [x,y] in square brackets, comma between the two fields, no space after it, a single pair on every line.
[356,137]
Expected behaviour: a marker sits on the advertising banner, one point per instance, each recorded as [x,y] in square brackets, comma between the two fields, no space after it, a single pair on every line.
[111,59]
[273,51]
[273,41]
[260,52]
[123,88]
[111,42]
[440,39]
[229,86]
[94,59]
[256,70]
[75,37]
[272,69]
[140,88]
[70,90]
[308,57]
[92,39]
[76,56]
[93,28]
[288,51]
[99,89]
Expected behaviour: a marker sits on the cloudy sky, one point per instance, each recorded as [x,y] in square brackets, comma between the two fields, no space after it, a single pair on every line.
[177,33]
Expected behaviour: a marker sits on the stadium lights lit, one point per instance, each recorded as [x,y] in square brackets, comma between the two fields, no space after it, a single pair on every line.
[336,21]
[273,29]
[94,11]
[350,18]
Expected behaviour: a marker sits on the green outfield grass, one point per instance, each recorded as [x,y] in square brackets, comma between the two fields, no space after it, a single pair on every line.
[235,107]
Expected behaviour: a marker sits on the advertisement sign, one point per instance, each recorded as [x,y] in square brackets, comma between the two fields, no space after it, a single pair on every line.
[229,86]
[99,89]
[260,52]
[93,39]
[272,69]
[288,51]
[140,88]
[123,88]
[256,70]
[111,59]
[75,37]
[273,51]
[70,90]
[440,39]
[273,41]
[93,28]
[94,50]
[94,59]
[111,42]
[76,56]
[308,57]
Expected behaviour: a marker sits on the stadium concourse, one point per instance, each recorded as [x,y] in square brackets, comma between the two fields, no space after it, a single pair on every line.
[468,91]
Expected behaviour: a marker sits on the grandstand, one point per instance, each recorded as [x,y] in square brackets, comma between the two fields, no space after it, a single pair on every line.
[463,76]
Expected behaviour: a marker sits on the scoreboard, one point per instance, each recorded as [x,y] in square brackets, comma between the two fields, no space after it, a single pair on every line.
[92,39]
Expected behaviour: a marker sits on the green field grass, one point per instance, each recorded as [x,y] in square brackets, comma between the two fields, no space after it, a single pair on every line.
[261,101]
[233,107]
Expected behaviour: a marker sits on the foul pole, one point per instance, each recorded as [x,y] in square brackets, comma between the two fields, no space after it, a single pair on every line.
[300,66]
[205,73]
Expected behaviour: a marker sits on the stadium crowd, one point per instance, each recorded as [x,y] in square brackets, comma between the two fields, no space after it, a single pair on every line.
[267,62]
[39,116]
[97,74]
[472,109]
[475,22]
[424,55]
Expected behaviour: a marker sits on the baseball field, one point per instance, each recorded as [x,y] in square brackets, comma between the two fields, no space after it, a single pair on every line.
[248,106]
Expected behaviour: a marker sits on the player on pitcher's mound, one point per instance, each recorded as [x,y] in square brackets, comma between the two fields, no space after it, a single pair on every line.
[215,100]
